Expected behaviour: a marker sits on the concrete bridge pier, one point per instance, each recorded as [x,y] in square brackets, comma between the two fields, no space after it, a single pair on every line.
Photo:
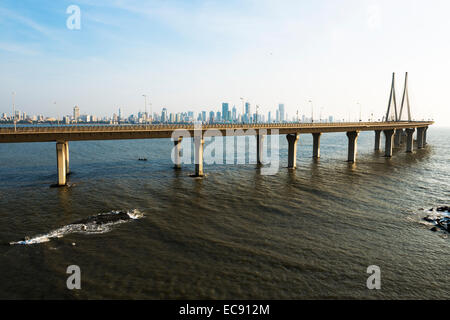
[403,137]
[425,136]
[316,145]
[259,148]
[420,137]
[352,145]
[292,154]
[66,144]
[61,161]
[177,155]
[389,135]
[410,139]
[198,145]
[377,140]
[397,138]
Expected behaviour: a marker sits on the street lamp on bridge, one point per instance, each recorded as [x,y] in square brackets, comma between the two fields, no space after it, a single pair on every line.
[145,106]
[360,111]
[14,110]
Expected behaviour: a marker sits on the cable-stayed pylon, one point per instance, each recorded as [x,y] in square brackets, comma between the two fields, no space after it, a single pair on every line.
[391,114]
[405,98]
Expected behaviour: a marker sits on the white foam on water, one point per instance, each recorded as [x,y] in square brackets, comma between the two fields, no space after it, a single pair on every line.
[86,228]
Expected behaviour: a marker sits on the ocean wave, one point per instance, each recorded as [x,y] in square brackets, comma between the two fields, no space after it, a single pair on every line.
[100,223]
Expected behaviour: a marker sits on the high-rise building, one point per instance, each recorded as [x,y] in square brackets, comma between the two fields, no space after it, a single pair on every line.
[234,114]
[211,117]
[281,110]
[269,117]
[164,115]
[225,112]
[76,113]
[218,116]
[247,110]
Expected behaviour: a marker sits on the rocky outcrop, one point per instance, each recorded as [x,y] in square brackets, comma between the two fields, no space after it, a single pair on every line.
[440,218]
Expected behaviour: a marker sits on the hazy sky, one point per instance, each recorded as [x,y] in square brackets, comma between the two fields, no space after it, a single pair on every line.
[194,55]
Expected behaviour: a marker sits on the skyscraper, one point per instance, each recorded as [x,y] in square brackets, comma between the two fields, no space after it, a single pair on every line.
[164,115]
[234,114]
[225,112]
[247,111]
[281,109]
[76,113]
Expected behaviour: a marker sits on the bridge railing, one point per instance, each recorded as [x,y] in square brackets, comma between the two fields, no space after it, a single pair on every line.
[170,127]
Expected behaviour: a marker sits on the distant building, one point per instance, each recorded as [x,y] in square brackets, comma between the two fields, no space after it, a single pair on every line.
[164,115]
[281,111]
[225,112]
[247,111]
[76,113]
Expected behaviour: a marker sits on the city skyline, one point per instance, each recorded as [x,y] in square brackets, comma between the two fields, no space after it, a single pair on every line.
[205,116]
[261,51]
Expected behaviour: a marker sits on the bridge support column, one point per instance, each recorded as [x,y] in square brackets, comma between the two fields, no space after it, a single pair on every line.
[316,145]
[397,138]
[61,163]
[66,150]
[292,154]
[352,145]
[177,153]
[409,139]
[425,136]
[259,148]
[420,137]
[389,135]
[198,144]
[377,139]
[403,137]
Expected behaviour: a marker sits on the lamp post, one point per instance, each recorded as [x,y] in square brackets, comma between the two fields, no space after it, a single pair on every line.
[145,106]
[312,111]
[14,110]
[243,109]
[57,114]
[151,114]
[360,111]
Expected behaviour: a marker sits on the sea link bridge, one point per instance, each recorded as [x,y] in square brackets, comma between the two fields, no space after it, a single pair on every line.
[396,134]
[396,131]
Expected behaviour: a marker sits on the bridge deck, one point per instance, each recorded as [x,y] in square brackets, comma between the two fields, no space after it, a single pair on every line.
[115,132]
